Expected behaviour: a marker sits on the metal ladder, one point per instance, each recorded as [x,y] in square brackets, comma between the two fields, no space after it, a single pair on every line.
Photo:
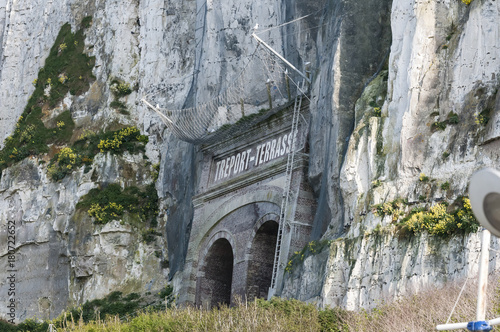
[288,180]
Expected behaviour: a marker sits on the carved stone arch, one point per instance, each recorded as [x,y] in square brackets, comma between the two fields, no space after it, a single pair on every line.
[265,218]
[215,276]
[260,256]
[270,194]
[222,234]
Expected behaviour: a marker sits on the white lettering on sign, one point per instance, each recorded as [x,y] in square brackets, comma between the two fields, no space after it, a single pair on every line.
[252,157]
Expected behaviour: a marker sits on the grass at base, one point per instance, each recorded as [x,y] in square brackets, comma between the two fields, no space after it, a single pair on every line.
[417,313]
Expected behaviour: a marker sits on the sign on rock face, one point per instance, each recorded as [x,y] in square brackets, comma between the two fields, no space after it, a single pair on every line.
[227,167]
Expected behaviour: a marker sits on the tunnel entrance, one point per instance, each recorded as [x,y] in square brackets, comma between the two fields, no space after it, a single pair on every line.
[215,285]
[260,266]
[238,200]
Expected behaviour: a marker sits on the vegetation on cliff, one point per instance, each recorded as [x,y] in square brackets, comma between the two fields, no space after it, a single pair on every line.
[67,68]
[111,202]
[441,219]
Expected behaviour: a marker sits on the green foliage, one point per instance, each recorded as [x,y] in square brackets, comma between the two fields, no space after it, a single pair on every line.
[312,248]
[445,155]
[439,125]
[453,118]
[445,186]
[376,183]
[86,22]
[126,139]
[89,144]
[380,147]
[437,221]
[66,60]
[119,106]
[149,235]
[31,137]
[63,163]
[483,118]
[452,31]
[377,112]
[394,209]
[467,2]
[166,292]
[332,320]
[434,114]
[66,68]
[434,220]
[111,202]
[156,171]
[113,304]
[423,178]
[119,88]
[28,325]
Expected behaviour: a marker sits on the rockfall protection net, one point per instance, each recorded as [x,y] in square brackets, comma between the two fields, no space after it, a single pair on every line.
[245,102]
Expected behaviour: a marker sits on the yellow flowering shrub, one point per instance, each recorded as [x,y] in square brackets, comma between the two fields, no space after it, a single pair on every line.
[111,202]
[63,78]
[438,221]
[120,139]
[63,163]
[105,213]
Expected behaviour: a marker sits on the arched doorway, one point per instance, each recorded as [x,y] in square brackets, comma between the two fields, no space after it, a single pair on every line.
[215,284]
[260,266]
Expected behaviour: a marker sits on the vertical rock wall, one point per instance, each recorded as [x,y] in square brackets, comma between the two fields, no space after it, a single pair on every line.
[415,59]
[436,69]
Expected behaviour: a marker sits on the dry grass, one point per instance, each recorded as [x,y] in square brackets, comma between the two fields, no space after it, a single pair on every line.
[421,312]
[278,315]
[424,311]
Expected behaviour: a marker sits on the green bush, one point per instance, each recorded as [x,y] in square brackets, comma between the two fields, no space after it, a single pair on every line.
[438,221]
[453,118]
[120,89]
[439,125]
[483,118]
[66,68]
[126,139]
[90,144]
[111,202]
[111,305]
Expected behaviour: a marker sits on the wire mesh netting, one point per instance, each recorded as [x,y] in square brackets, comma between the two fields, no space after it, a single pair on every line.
[263,84]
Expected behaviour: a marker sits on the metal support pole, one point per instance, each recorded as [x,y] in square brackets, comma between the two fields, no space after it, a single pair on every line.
[281,57]
[157,111]
[483,276]
[480,324]
[287,82]
[268,83]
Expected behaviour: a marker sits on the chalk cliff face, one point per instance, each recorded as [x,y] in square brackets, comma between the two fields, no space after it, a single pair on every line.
[443,62]
[415,61]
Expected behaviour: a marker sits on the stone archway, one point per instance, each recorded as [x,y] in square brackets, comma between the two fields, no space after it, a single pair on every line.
[260,265]
[217,275]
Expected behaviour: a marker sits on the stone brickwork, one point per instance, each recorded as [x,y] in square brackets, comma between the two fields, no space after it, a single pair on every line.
[236,212]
